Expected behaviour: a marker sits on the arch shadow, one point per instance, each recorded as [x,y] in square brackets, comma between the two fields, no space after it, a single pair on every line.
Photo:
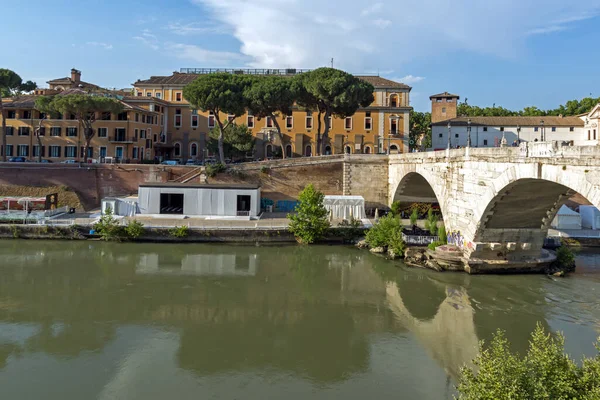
[414,188]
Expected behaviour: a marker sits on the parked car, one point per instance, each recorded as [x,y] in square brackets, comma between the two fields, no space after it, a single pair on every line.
[69,162]
[44,161]
[170,162]
[17,159]
[193,162]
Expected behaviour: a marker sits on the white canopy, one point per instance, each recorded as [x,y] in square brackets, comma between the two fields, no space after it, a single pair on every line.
[566,219]
[345,207]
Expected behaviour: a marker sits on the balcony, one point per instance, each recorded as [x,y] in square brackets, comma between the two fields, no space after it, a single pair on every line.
[121,139]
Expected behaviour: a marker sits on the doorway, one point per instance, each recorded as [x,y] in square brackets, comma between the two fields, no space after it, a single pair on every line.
[171,203]
[243,205]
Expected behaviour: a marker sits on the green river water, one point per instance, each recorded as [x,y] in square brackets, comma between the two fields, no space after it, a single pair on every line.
[93,320]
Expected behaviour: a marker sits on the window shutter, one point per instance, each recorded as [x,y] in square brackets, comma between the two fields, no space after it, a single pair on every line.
[59,148]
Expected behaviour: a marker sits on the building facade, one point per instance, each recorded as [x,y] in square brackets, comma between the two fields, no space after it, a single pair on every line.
[450,130]
[127,136]
[382,127]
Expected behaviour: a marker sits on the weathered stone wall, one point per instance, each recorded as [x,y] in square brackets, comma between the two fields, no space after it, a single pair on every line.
[367,176]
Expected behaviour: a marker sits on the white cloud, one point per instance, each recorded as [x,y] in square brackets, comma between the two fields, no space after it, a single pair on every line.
[203,56]
[148,39]
[308,33]
[195,28]
[106,46]
[409,79]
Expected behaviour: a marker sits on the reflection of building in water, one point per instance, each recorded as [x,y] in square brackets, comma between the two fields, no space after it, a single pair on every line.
[448,333]
[197,264]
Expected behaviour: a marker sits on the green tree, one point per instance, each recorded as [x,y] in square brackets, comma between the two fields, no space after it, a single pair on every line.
[84,107]
[545,372]
[9,81]
[331,93]
[309,222]
[420,127]
[387,232]
[219,93]
[271,96]
[237,140]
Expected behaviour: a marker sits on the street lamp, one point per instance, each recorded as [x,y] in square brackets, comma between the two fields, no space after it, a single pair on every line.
[469,132]
[519,135]
[542,138]
[449,132]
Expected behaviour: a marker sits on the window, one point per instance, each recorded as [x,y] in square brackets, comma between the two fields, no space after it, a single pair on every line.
[119,152]
[589,135]
[9,150]
[71,151]
[438,100]
[26,114]
[102,132]
[105,116]
[72,116]
[158,95]
[103,150]
[571,129]
[456,135]
[137,117]
[54,151]
[139,94]
[269,122]
[367,150]
[594,134]
[10,131]
[134,153]
[309,122]
[177,150]
[250,121]
[122,116]
[178,96]
[393,126]
[23,150]
[11,114]
[394,100]
[441,135]
[90,152]
[194,121]
[143,134]
[450,100]
[41,131]
[348,123]
[553,129]
[501,129]
[485,128]
[120,134]
[148,94]
[42,115]
[289,122]
[193,150]
[23,131]
[211,119]
[535,129]
[35,151]
[485,142]
[144,119]
[348,150]
[71,131]
[177,121]
[443,110]
[135,134]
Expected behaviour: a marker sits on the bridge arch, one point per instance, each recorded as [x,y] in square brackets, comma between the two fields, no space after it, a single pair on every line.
[417,187]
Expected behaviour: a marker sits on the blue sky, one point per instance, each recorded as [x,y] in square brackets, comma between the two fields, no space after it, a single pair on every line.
[512,53]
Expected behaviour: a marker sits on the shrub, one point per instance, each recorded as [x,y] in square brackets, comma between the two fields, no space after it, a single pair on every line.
[349,230]
[134,229]
[16,232]
[213,169]
[396,243]
[565,259]
[383,233]
[395,209]
[108,227]
[265,169]
[309,223]
[545,372]
[179,231]
[442,234]
[435,244]
[431,222]
[414,216]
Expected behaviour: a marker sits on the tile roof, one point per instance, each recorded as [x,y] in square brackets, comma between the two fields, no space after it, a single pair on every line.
[445,94]
[28,101]
[183,79]
[513,121]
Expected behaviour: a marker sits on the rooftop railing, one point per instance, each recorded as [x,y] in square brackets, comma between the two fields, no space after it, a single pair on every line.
[247,71]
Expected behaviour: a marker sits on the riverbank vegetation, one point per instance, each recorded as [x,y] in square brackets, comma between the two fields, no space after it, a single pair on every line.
[309,223]
[544,372]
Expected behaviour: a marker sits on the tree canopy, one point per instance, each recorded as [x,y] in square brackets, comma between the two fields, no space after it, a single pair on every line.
[10,84]
[420,126]
[571,108]
[237,141]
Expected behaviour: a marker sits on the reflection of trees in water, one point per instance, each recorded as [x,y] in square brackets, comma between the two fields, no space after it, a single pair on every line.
[72,339]
[7,350]
[323,346]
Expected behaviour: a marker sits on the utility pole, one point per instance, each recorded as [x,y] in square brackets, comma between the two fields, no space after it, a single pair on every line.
[331,62]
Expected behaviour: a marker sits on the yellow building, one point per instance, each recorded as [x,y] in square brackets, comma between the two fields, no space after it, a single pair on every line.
[128,136]
[379,128]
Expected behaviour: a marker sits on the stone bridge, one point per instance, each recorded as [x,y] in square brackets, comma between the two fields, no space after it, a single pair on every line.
[497,203]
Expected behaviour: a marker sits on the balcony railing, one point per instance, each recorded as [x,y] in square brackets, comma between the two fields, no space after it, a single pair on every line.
[121,139]
[239,71]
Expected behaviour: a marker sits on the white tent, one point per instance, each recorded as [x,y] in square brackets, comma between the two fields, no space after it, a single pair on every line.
[345,207]
[566,219]
[590,217]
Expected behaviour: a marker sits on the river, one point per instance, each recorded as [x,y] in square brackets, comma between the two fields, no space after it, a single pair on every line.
[94,320]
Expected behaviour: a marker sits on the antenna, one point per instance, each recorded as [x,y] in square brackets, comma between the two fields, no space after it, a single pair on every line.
[331,62]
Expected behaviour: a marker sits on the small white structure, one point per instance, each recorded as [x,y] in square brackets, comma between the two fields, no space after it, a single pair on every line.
[345,207]
[125,207]
[590,217]
[204,200]
[566,219]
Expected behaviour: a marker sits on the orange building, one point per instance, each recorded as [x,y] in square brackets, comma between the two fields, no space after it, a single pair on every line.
[127,136]
[379,128]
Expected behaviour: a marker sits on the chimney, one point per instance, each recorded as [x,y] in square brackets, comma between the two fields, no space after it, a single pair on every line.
[75,75]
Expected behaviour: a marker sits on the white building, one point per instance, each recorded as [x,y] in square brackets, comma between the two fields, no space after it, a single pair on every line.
[581,130]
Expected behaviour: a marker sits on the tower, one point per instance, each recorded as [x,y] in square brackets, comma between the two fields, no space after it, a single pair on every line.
[443,106]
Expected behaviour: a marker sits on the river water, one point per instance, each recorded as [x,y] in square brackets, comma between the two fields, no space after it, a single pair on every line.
[93,320]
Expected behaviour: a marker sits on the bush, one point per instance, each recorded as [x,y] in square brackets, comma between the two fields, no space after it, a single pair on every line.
[431,222]
[265,169]
[348,230]
[213,169]
[442,234]
[414,216]
[395,209]
[385,232]
[435,244]
[108,227]
[134,229]
[309,223]
[396,243]
[179,231]
[544,373]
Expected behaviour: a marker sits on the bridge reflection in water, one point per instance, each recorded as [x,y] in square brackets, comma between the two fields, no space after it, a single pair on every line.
[323,315]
